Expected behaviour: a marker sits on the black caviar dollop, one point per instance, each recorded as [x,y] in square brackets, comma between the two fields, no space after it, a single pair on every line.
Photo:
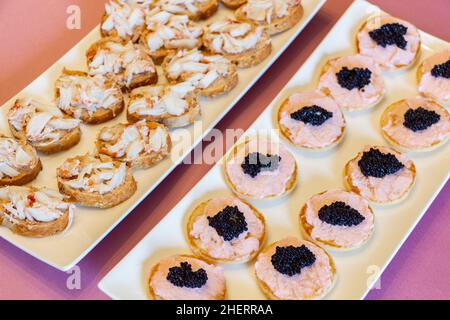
[183,276]
[229,223]
[290,260]
[354,78]
[441,70]
[340,214]
[256,162]
[420,119]
[374,163]
[313,115]
[390,34]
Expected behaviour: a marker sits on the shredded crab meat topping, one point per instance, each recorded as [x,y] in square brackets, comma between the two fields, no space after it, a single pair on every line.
[131,141]
[14,158]
[161,100]
[268,10]
[33,205]
[122,60]
[40,123]
[181,6]
[91,174]
[200,69]
[171,31]
[233,37]
[78,93]
[124,17]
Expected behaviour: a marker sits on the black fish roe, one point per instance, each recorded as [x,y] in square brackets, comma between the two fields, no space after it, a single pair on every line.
[313,115]
[229,223]
[354,78]
[290,260]
[390,34]
[420,119]
[256,162]
[441,70]
[374,163]
[340,214]
[183,276]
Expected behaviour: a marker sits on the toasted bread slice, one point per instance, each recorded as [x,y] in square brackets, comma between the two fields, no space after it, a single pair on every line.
[211,74]
[195,244]
[173,105]
[422,69]
[95,181]
[233,4]
[194,9]
[167,33]
[19,162]
[34,212]
[45,128]
[127,63]
[141,144]
[221,295]
[123,19]
[254,42]
[77,88]
[277,24]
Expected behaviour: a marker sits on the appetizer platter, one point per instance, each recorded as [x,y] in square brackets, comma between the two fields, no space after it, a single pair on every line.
[100,129]
[328,198]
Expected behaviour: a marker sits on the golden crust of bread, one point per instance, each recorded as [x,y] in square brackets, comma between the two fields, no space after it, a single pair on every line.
[385,119]
[289,186]
[351,187]
[100,115]
[233,4]
[271,295]
[204,11]
[147,160]
[327,92]
[252,57]
[285,133]
[25,176]
[397,66]
[97,200]
[154,296]
[277,25]
[192,113]
[138,80]
[194,243]
[221,85]
[306,229]
[113,33]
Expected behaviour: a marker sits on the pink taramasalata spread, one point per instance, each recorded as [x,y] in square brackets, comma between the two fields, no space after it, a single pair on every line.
[214,287]
[353,99]
[209,240]
[435,87]
[313,281]
[391,56]
[267,183]
[306,135]
[405,137]
[342,236]
[387,189]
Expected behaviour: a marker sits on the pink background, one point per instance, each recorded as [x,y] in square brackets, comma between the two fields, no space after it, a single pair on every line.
[33,36]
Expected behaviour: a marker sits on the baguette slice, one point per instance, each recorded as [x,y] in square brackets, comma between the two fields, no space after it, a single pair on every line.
[42,212]
[93,100]
[194,9]
[172,105]
[197,67]
[46,129]
[233,4]
[19,162]
[141,144]
[126,63]
[277,24]
[80,178]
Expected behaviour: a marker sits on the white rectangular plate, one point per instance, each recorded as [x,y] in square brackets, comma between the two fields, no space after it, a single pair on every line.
[91,225]
[357,270]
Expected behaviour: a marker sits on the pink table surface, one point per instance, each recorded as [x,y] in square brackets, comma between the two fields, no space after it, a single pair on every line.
[34,35]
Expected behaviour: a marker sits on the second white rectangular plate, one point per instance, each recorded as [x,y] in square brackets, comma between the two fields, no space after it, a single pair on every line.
[357,270]
[90,225]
